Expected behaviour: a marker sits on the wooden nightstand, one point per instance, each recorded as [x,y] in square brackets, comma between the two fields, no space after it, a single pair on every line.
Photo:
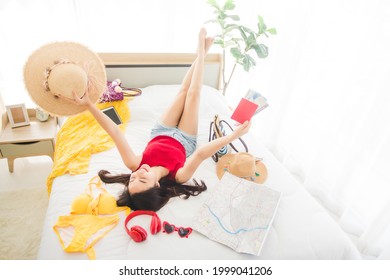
[36,139]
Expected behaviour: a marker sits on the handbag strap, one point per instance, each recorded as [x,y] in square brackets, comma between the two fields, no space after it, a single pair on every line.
[137,90]
[239,138]
[212,136]
[215,132]
[216,126]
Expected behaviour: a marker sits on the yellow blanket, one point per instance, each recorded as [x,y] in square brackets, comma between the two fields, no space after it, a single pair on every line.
[79,138]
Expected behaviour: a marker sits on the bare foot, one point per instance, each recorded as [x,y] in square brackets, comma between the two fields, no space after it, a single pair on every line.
[208,43]
[202,34]
[202,41]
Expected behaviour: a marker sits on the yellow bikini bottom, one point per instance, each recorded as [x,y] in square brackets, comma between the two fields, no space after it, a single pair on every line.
[78,233]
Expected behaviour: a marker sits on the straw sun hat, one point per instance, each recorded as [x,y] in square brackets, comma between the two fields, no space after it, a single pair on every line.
[57,69]
[242,165]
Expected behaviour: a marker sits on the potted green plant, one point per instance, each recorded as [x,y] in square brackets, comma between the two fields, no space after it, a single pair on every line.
[243,43]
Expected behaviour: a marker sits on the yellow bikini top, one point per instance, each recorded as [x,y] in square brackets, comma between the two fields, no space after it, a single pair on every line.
[103,204]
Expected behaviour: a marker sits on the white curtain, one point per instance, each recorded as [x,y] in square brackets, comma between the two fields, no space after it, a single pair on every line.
[326,80]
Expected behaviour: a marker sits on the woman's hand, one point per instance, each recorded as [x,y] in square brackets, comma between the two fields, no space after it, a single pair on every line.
[82,101]
[241,130]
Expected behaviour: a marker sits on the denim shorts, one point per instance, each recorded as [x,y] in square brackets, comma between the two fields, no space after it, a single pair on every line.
[188,141]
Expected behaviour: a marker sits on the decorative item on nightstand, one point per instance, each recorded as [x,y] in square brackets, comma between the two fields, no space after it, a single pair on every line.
[41,115]
[17,115]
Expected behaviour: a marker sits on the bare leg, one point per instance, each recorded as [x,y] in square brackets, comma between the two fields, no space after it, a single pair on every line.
[189,118]
[173,114]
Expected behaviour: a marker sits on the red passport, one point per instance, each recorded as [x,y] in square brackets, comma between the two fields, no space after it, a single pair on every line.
[244,111]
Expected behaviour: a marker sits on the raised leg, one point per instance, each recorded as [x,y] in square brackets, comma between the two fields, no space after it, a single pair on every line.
[189,118]
[172,116]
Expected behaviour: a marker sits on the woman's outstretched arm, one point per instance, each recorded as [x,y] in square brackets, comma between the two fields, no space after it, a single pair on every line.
[128,156]
[207,150]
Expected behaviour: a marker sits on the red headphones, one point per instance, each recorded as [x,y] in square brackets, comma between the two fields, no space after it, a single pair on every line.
[139,234]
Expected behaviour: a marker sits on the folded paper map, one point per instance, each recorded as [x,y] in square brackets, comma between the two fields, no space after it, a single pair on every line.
[238,214]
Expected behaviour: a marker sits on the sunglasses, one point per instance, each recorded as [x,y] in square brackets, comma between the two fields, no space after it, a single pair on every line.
[183,232]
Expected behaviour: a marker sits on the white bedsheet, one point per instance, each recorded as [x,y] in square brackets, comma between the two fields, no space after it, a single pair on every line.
[302,229]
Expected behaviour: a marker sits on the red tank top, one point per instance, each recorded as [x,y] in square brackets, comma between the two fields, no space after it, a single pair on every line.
[164,151]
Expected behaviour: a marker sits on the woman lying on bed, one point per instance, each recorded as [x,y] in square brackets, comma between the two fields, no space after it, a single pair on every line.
[170,158]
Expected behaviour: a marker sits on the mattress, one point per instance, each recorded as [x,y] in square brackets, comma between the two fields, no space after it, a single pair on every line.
[301,229]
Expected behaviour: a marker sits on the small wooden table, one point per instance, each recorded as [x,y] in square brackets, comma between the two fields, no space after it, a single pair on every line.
[36,139]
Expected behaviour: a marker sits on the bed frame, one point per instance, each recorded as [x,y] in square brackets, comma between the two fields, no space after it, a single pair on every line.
[144,69]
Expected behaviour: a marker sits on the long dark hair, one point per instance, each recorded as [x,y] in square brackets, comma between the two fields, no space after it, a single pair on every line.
[154,198]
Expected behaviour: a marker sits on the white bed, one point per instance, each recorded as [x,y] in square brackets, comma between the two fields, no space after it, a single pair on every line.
[302,229]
